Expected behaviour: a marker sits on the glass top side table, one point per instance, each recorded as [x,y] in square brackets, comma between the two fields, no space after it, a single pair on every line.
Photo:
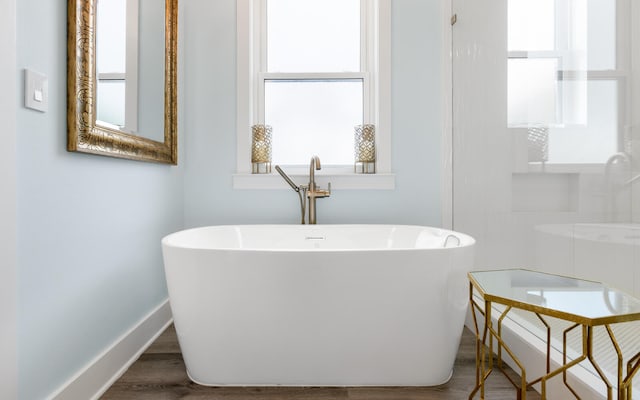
[585,303]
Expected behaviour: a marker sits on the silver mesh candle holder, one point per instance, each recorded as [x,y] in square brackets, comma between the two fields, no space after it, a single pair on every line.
[261,149]
[538,143]
[365,149]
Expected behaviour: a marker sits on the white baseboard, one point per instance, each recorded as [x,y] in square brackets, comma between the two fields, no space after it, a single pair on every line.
[96,377]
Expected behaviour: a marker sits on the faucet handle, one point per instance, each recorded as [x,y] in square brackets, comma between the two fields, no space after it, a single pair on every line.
[324,193]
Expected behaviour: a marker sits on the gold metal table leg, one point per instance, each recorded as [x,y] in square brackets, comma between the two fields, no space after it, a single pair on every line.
[484,367]
[522,389]
[486,335]
[624,383]
[548,342]
[620,363]
[504,314]
[565,366]
[482,371]
[595,364]
[564,354]
[480,377]
[632,367]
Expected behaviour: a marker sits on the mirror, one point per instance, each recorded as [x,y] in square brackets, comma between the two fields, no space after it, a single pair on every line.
[112,136]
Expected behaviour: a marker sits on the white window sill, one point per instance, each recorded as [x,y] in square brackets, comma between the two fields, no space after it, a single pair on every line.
[339,181]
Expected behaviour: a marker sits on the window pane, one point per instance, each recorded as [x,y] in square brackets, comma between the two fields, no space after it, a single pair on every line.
[313,118]
[531,25]
[602,35]
[110,104]
[313,35]
[596,140]
[532,93]
[111,36]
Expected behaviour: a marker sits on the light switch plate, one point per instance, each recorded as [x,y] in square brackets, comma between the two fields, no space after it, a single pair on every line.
[36,90]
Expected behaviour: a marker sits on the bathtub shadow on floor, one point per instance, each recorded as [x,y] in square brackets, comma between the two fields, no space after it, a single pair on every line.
[159,374]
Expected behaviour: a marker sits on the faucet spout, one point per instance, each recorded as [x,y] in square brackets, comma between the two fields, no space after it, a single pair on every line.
[314,192]
[313,166]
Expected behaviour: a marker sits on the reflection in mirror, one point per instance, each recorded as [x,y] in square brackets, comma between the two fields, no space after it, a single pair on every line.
[117,64]
[129,66]
[122,78]
[151,67]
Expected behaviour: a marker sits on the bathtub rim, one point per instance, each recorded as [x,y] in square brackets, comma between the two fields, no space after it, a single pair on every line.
[466,240]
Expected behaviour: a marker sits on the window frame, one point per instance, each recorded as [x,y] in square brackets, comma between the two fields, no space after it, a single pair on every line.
[375,72]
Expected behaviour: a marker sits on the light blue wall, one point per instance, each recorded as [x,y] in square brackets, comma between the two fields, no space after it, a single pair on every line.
[89,227]
[8,205]
[210,112]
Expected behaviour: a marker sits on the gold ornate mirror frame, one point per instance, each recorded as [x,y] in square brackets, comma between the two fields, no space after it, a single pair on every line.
[83,133]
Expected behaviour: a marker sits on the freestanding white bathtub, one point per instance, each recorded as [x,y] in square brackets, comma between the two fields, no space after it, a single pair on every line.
[325,305]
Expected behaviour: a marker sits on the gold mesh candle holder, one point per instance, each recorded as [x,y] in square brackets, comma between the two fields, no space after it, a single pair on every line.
[365,149]
[261,149]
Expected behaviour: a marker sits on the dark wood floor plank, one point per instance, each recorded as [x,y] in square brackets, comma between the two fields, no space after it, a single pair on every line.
[166,369]
[165,343]
[160,374]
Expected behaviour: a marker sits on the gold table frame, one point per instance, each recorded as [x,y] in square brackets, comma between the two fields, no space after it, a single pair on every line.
[587,325]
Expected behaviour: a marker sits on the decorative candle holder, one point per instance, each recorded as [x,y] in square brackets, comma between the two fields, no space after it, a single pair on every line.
[538,144]
[261,149]
[365,149]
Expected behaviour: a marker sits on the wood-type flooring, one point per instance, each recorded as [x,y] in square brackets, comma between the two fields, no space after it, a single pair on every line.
[159,374]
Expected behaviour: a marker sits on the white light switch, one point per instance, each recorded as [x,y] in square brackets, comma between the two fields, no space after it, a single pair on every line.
[36,90]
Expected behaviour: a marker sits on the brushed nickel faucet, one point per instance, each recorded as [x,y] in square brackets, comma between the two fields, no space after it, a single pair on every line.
[314,192]
[308,192]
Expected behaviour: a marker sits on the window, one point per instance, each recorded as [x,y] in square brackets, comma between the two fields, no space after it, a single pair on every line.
[566,78]
[313,70]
